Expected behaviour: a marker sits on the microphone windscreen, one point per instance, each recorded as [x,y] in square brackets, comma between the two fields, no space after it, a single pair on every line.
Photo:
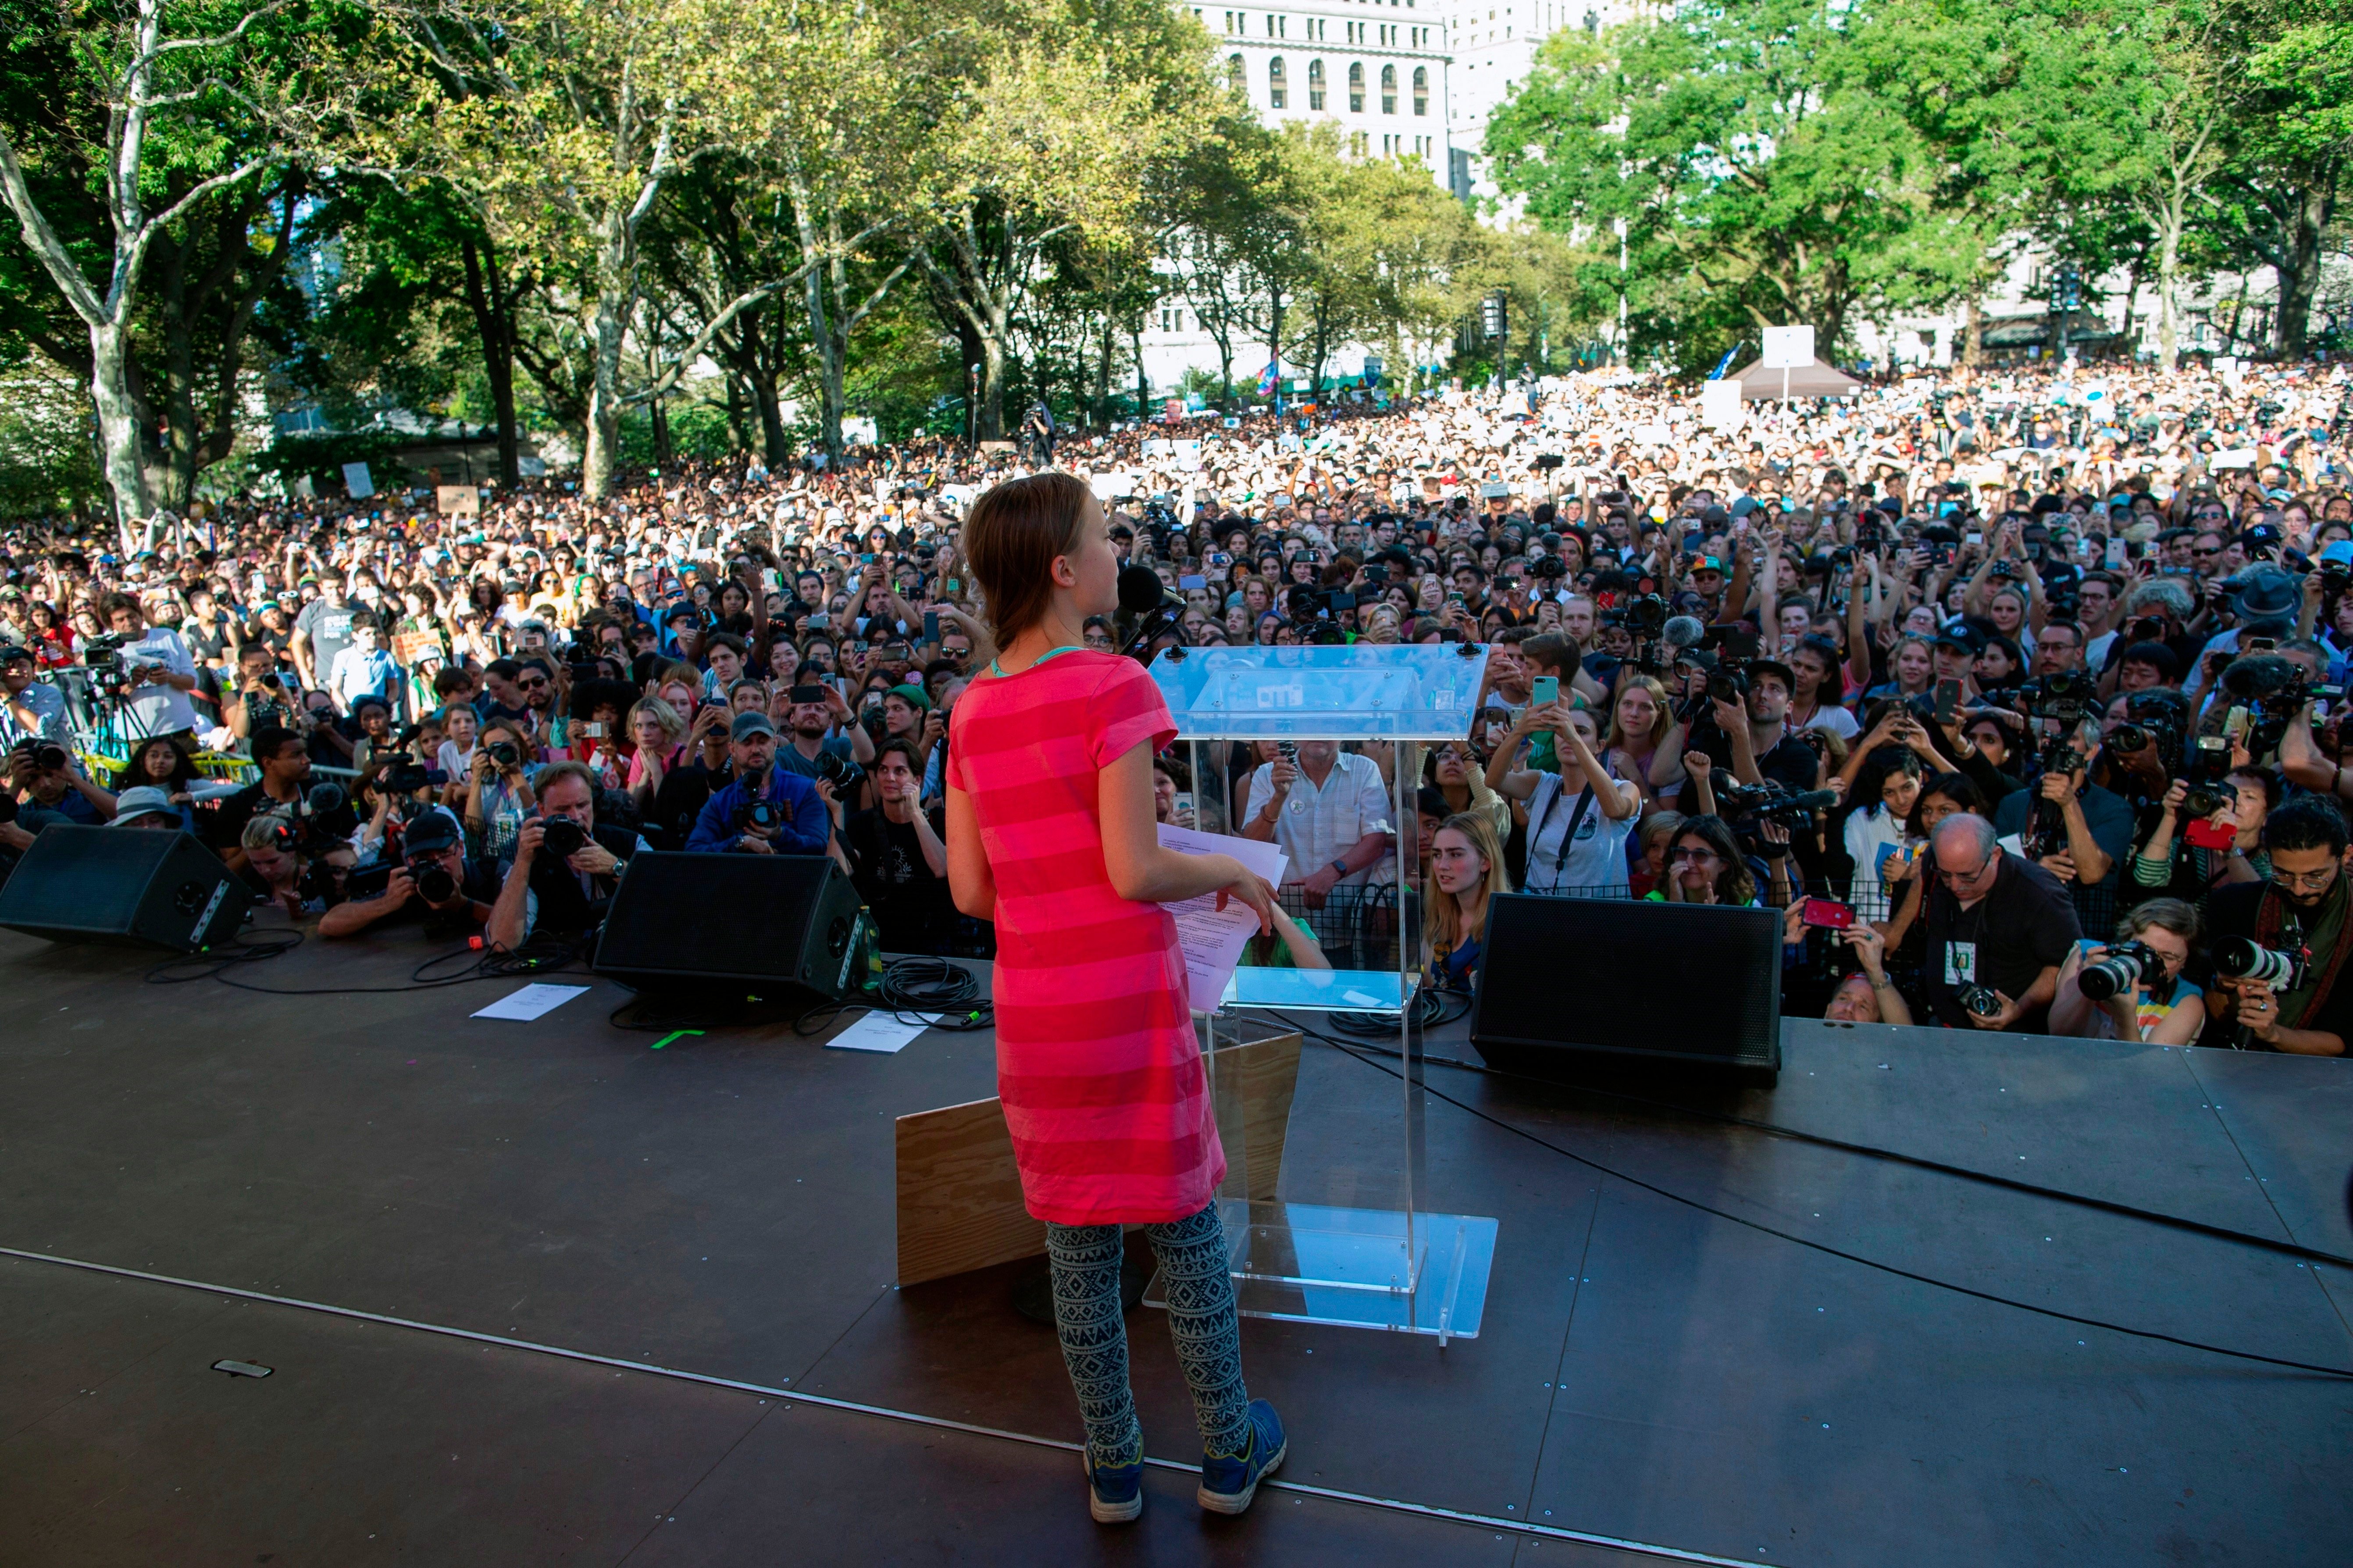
[1683,630]
[1139,590]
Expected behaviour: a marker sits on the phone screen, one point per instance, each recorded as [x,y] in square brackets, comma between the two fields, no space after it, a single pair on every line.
[931,626]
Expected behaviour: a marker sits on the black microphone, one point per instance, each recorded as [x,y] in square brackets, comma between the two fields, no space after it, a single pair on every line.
[1141,592]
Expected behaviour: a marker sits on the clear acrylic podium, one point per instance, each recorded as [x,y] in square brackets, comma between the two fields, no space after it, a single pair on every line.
[1337,1224]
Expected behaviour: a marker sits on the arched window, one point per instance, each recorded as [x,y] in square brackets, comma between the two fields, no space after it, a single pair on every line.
[1236,77]
[1357,88]
[1420,91]
[1389,89]
[1275,97]
[1316,84]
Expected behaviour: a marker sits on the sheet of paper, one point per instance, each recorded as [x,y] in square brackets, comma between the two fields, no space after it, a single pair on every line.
[533,1000]
[884,1032]
[1212,938]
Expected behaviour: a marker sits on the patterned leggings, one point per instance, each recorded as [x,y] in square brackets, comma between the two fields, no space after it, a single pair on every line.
[1194,1268]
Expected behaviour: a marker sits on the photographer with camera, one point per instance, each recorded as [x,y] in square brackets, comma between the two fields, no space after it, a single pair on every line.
[434,883]
[1998,927]
[765,808]
[29,709]
[259,700]
[816,708]
[49,784]
[270,863]
[2279,945]
[2072,828]
[2133,989]
[565,867]
[158,667]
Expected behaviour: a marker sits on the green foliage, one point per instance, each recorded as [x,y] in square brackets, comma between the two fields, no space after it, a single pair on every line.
[1759,178]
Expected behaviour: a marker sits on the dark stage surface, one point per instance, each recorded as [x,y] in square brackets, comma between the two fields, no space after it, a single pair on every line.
[1646,1371]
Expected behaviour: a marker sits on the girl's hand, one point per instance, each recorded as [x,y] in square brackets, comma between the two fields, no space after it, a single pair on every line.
[1257,892]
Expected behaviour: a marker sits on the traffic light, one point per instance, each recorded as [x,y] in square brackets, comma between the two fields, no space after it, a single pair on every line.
[1490,316]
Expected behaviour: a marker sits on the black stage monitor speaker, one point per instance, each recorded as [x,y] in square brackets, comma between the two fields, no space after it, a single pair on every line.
[1571,983]
[764,920]
[132,887]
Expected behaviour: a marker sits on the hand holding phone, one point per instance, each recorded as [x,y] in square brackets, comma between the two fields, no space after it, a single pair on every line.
[1544,688]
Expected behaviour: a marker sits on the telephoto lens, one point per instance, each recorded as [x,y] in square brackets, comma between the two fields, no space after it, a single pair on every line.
[2116,974]
[49,759]
[2242,958]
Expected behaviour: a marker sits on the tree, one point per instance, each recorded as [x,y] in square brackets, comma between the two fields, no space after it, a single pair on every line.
[2295,124]
[1761,182]
[1061,111]
[150,158]
[562,119]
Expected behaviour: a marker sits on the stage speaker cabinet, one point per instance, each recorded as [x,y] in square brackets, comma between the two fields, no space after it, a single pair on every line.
[130,887]
[1571,986]
[766,921]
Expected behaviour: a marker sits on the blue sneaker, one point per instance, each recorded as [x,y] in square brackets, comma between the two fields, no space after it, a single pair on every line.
[1228,1484]
[1115,1492]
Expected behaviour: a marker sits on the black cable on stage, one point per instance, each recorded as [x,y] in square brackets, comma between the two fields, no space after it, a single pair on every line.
[1347,1049]
[926,985]
[1894,1156]
[537,955]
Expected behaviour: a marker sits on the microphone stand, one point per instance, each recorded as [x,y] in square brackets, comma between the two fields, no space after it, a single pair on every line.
[1157,622]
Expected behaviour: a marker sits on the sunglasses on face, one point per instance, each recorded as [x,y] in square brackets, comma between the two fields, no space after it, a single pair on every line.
[537,683]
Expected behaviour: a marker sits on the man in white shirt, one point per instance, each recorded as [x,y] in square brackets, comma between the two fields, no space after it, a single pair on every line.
[1330,813]
[162,672]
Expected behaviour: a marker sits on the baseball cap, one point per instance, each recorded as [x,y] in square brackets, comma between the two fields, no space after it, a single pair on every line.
[747,725]
[434,831]
[912,695]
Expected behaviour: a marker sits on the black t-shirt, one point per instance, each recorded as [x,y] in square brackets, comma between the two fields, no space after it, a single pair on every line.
[678,800]
[2025,925]
[913,910]
[1791,762]
[480,884]
[230,812]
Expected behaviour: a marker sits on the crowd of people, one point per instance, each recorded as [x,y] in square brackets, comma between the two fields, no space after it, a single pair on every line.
[2016,691]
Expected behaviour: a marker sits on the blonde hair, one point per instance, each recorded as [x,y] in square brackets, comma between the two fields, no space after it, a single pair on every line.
[1442,923]
[661,712]
[1616,738]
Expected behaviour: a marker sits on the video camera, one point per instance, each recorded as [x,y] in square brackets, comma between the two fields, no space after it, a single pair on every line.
[2272,690]
[1769,801]
[2064,696]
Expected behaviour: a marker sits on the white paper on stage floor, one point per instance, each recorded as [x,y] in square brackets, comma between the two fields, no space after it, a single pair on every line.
[884,1032]
[1212,938]
[536,1001]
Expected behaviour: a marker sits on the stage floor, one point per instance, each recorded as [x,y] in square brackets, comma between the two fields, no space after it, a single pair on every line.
[707,1230]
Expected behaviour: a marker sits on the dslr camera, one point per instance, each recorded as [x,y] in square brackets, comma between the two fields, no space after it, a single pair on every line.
[561,836]
[2063,695]
[2127,966]
[843,774]
[2242,958]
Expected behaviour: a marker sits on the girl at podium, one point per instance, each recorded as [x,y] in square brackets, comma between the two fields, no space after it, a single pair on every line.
[1051,833]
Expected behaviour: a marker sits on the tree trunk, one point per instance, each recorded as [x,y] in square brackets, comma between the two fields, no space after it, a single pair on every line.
[2168,269]
[1143,380]
[118,426]
[658,413]
[2300,280]
[613,304]
[493,311]
[775,449]
[1972,334]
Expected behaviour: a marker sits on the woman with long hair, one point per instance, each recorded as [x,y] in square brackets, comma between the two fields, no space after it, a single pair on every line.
[1052,835]
[1466,870]
[1706,865]
[162,765]
[1641,719]
[1452,768]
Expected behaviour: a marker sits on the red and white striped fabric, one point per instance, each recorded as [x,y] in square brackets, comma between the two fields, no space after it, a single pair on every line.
[1096,1061]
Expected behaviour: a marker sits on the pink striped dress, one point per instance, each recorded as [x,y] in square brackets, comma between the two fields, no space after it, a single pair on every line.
[1096,1061]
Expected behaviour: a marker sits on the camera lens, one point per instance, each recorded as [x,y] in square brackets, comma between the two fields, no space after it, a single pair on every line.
[2241,958]
[2116,974]
[563,838]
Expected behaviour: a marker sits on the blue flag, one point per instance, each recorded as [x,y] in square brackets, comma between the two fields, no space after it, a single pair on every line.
[1269,376]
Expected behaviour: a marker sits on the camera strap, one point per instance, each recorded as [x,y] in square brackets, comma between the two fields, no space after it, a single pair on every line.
[1568,835]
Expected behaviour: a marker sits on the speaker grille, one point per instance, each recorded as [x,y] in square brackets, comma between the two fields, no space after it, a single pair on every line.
[1647,979]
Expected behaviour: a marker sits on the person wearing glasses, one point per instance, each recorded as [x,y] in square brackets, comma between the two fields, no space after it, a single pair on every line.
[1999,927]
[2300,909]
